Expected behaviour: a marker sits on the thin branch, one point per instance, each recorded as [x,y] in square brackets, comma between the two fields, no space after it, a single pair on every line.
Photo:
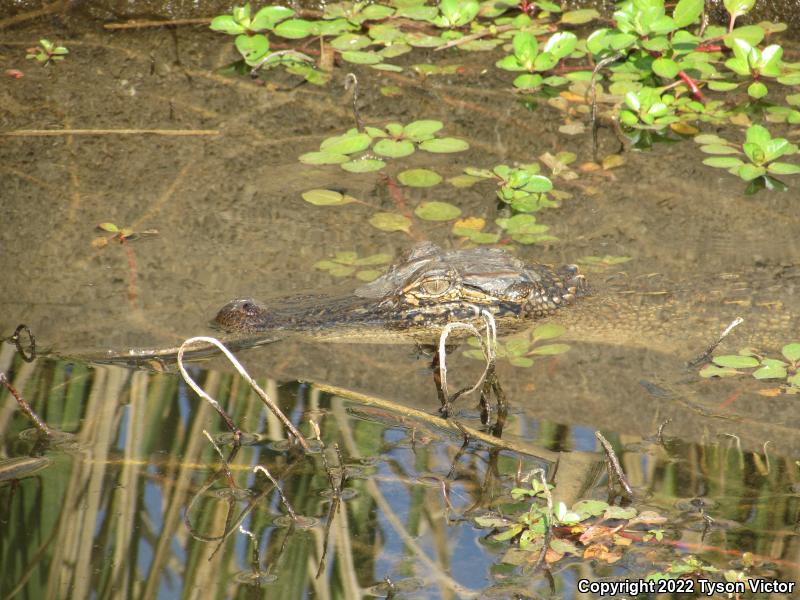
[60,132]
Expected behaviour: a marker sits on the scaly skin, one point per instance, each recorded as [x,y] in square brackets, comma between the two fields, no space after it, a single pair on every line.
[417,298]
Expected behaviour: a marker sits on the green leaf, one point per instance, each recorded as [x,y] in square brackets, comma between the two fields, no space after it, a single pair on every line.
[770,372]
[715,371]
[226,24]
[359,57]
[252,47]
[419,131]
[687,12]
[580,16]
[393,148]
[548,331]
[666,68]
[520,361]
[550,349]
[109,227]
[719,149]
[750,172]
[755,152]
[722,86]
[346,144]
[374,259]
[782,168]
[618,512]
[775,148]
[320,197]
[525,48]
[419,178]
[386,221]
[323,158]
[269,16]
[364,165]
[437,211]
[444,145]
[752,34]
[736,361]
[757,90]
[294,29]
[738,7]
[350,41]
[561,44]
[723,162]
[528,81]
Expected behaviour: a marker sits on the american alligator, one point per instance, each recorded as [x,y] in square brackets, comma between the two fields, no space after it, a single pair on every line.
[420,294]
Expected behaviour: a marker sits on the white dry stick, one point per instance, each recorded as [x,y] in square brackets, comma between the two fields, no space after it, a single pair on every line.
[246,376]
[489,347]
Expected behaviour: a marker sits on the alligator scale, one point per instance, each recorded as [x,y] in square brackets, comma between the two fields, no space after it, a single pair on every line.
[420,294]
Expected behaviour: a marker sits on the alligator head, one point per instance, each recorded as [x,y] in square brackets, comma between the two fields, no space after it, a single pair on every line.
[421,293]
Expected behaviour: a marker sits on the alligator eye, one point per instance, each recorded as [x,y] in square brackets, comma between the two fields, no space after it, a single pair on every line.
[434,287]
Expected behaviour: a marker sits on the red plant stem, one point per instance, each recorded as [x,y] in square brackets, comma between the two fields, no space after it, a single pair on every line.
[131,271]
[397,196]
[696,93]
[709,48]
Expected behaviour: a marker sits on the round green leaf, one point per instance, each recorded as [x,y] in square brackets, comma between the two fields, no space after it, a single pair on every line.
[419,178]
[770,372]
[550,349]
[736,361]
[346,144]
[350,41]
[361,58]
[365,165]
[394,148]
[444,145]
[252,47]
[437,211]
[267,17]
[757,90]
[580,16]
[226,24]
[386,221]
[320,197]
[722,86]
[422,130]
[791,352]
[323,158]
[528,81]
[687,12]
[294,29]
[666,68]
[548,331]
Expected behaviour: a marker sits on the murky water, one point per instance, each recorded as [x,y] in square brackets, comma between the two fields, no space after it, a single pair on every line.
[206,166]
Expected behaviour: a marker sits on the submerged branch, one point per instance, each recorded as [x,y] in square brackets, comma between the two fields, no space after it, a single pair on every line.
[60,132]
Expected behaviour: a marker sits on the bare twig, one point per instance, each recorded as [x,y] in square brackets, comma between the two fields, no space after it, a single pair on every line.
[351,81]
[256,388]
[613,463]
[660,434]
[144,23]
[289,509]
[60,132]
[26,408]
[292,53]
[489,347]
[31,355]
[713,346]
